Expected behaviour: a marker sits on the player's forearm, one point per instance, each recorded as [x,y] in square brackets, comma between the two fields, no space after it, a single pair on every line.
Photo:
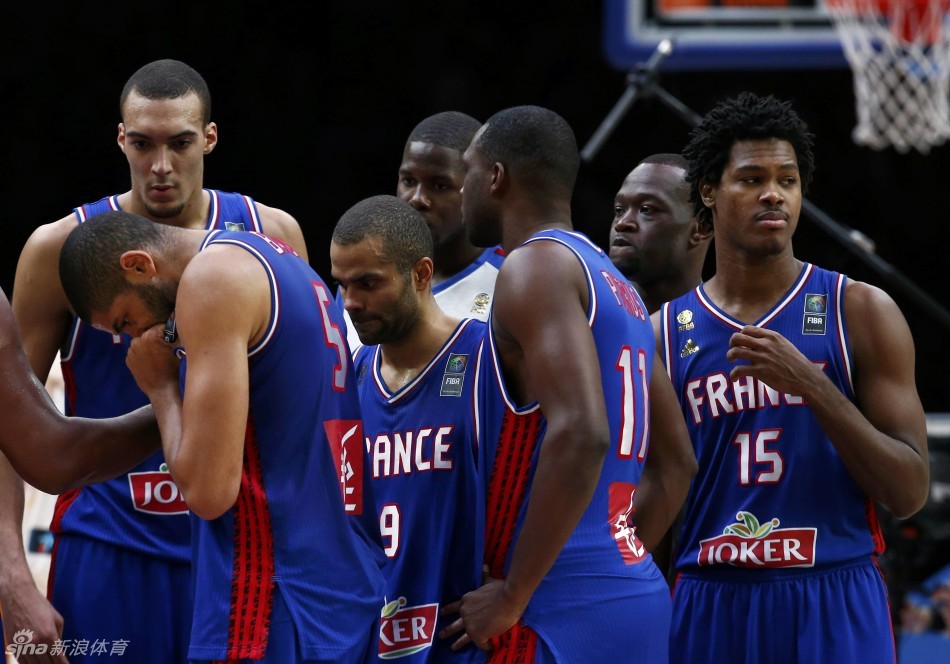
[13,566]
[209,489]
[890,470]
[104,449]
[167,406]
[57,453]
[566,478]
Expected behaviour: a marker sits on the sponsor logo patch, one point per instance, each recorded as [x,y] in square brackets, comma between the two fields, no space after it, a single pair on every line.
[405,630]
[753,545]
[346,442]
[620,504]
[155,492]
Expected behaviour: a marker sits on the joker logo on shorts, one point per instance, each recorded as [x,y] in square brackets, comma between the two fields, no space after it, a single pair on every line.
[155,492]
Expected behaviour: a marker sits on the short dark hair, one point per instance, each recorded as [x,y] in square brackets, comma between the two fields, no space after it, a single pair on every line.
[168,79]
[747,117]
[667,159]
[449,129]
[533,143]
[89,260]
[404,234]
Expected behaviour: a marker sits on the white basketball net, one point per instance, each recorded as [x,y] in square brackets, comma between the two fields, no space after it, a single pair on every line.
[899,52]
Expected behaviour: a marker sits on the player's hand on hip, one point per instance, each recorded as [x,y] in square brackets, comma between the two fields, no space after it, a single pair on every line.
[484,613]
[768,356]
[153,362]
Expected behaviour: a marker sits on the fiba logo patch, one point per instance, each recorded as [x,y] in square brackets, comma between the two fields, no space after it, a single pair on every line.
[454,375]
[234,225]
[816,304]
[816,312]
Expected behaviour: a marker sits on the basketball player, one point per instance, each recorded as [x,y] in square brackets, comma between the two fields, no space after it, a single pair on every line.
[118,543]
[660,246]
[570,399]
[416,376]
[430,179]
[655,240]
[270,415]
[797,385]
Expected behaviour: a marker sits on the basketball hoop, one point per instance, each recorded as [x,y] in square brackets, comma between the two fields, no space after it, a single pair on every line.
[899,52]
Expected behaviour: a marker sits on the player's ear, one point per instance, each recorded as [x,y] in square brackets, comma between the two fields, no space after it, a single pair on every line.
[499,178]
[137,266]
[211,137]
[707,191]
[121,138]
[422,273]
[701,231]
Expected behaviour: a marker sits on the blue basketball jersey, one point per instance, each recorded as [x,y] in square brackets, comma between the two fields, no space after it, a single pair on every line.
[142,510]
[603,579]
[771,492]
[297,523]
[420,447]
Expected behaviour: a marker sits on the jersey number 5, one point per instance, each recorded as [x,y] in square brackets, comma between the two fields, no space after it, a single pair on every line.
[333,337]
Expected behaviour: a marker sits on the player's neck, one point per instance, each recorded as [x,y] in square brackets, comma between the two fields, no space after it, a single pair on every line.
[746,289]
[522,221]
[655,294]
[194,214]
[404,359]
[450,260]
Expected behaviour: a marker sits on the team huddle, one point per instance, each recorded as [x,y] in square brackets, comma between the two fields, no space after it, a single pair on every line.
[487,438]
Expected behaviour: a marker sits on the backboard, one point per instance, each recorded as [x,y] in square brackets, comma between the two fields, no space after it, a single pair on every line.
[722,34]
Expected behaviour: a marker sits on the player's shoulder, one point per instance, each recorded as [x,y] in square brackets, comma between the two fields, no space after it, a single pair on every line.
[275,216]
[868,303]
[471,332]
[535,268]
[50,237]
[226,258]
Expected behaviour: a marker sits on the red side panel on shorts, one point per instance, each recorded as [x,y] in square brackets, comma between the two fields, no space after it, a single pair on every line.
[63,501]
[516,646]
[252,585]
[874,526]
[508,485]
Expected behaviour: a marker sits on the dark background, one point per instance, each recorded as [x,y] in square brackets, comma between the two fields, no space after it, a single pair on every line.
[313,112]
